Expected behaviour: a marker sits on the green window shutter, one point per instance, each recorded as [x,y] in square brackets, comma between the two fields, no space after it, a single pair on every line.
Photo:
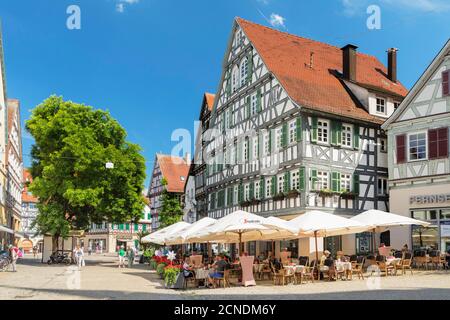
[239,152]
[284,138]
[121,226]
[247,107]
[335,181]
[356,183]
[302,177]
[207,170]
[250,67]
[356,137]
[262,186]
[230,196]
[127,226]
[259,100]
[249,149]
[314,122]
[314,179]
[241,192]
[228,83]
[136,227]
[144,227]
[336,132]
[143,216]
[260,143]
[270,140]
[287,181]
[252,190]
[273,186]
[299,129]
[230,120]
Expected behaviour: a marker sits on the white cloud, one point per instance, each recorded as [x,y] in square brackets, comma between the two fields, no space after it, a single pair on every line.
[120,7]
[121,4]
[277,21]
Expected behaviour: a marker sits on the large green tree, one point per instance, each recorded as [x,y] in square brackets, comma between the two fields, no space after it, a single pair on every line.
[171,211]
[73,143]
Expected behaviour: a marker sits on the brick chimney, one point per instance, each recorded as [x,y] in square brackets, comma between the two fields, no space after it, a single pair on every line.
[392,64]
[349,62]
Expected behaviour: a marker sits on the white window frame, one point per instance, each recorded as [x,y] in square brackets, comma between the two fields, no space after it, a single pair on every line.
[268,186]
[243,71]
[347,135]
[378,106]
[235,79]
[322,129]
[295,180]
[236,195]
[255,148]
[245,149]
[278,137]
[346,182]
[227,118]
[253,104]
[280,183]
[257,190]
[409,148]
[266,139]
[292,128]
[321,177]
[246,191]
[384,189]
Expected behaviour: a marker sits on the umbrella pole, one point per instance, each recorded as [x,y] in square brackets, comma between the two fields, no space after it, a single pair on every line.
[374,241]
[240,244]
[317,256]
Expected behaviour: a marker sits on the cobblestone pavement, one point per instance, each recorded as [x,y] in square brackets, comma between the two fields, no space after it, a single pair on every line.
[102,279]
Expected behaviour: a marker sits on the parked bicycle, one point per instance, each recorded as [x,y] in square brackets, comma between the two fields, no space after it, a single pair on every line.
[5,260]
[60,257]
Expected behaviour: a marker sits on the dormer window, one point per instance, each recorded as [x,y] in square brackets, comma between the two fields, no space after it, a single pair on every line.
[381,105]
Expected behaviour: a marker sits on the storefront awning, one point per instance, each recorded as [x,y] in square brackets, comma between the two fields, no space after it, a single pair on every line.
[5,229]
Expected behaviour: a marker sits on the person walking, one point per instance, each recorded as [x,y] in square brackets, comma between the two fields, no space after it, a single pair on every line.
[121,257]
[131,256]
[79,254]
[14,254]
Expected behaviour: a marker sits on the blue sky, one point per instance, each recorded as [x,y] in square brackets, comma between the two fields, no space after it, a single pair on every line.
[149,61]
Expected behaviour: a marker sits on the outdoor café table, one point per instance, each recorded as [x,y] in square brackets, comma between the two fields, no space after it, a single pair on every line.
[202,274]
[392,261]
[344,266]
[295,268]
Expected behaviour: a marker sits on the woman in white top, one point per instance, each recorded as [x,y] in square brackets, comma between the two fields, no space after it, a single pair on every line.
[79,256]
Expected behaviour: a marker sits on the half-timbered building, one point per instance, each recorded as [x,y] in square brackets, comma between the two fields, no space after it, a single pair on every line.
[296,127]
[419,165]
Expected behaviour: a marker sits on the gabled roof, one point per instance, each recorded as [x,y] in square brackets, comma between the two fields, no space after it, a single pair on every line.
[175,170]
[434,65]
[209,99]
[27,178]
[320,87]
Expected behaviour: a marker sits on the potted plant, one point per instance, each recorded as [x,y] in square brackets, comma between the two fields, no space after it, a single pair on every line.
[245,203]
[160,269]
[347,195]
[255,201]
[171,274]
[279,196]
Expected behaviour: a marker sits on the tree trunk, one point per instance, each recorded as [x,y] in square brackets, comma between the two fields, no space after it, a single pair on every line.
[55,243]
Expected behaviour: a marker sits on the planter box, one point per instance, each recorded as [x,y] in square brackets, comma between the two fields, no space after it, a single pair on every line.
[279,197]
[293,194]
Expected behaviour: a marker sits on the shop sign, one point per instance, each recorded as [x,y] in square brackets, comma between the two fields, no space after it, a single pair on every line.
[430,199]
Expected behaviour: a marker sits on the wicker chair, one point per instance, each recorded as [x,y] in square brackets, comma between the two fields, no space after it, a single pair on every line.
[358,267]
[405,264]
[308,272]
[435,259]
[421,259]
[225,279]
[384,267]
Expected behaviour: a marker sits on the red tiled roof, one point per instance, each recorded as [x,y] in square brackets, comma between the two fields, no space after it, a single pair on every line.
[175,170]
[288,58]
[209,100]
[26,197]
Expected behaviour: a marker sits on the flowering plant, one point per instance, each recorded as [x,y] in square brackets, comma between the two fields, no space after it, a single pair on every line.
[170,274]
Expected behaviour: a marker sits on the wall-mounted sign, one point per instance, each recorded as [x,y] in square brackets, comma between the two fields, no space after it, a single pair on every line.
[430,199]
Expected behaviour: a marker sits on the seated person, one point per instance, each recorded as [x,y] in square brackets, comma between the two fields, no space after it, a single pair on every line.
[219,269]
[325,256]
[187,269]
[276,264]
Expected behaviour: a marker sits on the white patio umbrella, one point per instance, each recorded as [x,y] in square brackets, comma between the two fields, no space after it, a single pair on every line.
[182,237]
[240,226]
[323,224]
[378,221]
[161,236]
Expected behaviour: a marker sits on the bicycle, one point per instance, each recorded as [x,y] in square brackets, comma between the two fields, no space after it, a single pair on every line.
[5,261]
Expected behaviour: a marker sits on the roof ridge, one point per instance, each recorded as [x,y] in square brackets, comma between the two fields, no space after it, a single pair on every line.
[303,38]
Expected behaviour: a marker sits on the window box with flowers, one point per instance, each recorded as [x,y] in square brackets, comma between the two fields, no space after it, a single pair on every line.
[293,194]
[325,193]
[279,196]
[347,195]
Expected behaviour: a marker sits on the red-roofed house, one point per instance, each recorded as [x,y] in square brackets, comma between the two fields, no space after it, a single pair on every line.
[301,120]
[175,171]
